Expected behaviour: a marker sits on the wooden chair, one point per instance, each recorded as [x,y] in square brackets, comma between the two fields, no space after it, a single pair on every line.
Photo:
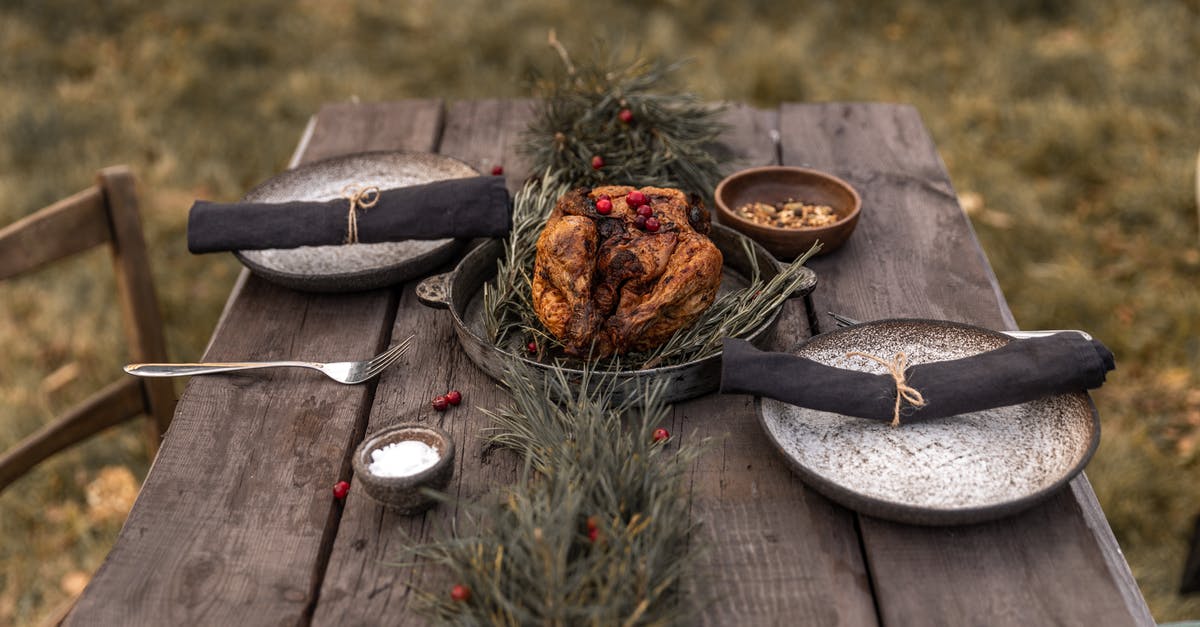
[104,212]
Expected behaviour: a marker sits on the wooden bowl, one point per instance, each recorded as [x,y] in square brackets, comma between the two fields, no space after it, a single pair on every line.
[772,184]
[405,494]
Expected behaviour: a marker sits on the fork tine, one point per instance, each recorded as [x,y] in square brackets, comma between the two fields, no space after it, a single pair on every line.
[380,367]
[387,354]
[842,321]
[386,359]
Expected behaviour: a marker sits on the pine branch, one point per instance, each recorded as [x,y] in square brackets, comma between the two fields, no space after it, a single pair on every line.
[665,143]
[532,560]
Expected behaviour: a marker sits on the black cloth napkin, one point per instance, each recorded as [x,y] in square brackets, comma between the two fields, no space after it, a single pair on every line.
[1020,371]
[467,207]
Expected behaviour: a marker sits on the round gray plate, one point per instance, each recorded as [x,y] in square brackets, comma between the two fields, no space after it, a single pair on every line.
[957,470]
[358,266]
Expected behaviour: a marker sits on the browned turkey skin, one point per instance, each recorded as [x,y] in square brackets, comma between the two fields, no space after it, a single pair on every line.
[605,286]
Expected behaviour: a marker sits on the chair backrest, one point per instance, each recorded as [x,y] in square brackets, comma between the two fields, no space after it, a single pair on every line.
[105,212]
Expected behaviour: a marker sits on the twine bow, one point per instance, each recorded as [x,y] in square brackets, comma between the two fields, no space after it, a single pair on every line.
[363,199]
[904,392]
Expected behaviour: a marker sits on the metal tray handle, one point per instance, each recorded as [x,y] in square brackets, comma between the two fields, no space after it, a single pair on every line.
[434,291]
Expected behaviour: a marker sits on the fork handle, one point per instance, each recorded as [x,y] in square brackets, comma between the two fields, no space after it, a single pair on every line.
[184,370]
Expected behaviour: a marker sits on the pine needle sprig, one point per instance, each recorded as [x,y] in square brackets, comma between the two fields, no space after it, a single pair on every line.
[666,143]
[507,300]
[534,558]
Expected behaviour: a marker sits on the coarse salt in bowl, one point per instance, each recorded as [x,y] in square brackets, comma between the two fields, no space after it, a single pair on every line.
[395,465]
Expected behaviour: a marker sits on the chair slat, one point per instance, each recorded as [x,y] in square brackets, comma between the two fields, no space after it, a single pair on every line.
[110,406]
[69,226]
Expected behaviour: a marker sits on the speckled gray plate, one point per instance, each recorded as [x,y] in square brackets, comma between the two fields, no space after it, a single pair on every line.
[358,266]
[957,470]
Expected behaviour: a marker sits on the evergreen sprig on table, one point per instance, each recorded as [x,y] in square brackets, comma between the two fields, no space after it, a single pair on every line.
[595,533]
[623,114]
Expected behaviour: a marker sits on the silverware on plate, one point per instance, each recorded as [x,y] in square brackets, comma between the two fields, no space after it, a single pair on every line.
[341,371]
[843,321]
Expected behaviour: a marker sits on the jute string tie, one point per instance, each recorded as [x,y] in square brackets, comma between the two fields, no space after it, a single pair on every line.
[360,199]
[904,392]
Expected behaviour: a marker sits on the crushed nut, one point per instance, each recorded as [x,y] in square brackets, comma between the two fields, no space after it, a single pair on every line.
[789,214]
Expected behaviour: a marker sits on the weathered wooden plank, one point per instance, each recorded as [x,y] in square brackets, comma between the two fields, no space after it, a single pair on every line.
[235,519]
[914,254]
[349,127]
[751,139]
[771,550]
[360,588]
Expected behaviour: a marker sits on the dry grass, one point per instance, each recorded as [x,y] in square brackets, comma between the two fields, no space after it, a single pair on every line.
[1068,128]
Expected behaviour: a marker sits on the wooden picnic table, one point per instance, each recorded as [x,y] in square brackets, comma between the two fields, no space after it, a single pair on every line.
[235,523]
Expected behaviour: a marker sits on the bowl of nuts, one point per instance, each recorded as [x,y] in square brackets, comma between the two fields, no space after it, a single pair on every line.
[787,209]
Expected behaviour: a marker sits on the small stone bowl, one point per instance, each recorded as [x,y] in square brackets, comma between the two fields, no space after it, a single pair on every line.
[403,494]
[773,184]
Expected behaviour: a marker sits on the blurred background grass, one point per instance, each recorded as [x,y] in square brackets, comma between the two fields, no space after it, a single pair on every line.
[1069,129]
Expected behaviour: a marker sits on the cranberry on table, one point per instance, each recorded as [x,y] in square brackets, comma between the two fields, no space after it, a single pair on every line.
[441,403]
[625,115]
[531,347]
[661,434]
[460,593]
[597,162]
[497,170]
[454,397]
[340,490]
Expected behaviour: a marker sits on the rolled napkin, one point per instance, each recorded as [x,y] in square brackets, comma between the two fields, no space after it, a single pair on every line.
[467,207]
[1020,371]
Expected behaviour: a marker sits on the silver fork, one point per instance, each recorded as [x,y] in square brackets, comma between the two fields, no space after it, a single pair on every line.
[348,372]
[843,321]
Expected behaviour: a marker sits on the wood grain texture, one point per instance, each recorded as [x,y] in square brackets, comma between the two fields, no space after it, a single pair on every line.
[772,551]
[750,139]
[360,587]
[914,254]
[350,127]
[235,519]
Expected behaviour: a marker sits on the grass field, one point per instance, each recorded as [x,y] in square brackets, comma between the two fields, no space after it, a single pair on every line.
[1069,129]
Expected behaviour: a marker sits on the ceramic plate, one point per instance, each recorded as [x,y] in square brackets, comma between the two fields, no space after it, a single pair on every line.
[962,469]
[359,266]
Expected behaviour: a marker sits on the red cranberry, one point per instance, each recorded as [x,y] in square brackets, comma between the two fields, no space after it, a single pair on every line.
[626,116]
[454,397]
[440,403]
[645,210]
[640,222]
[597,162]
[635,198]
[460,593]
[340,490]
[661,434]
[497,170]
[531,347]
[604,206]
[593,534]
[652,224]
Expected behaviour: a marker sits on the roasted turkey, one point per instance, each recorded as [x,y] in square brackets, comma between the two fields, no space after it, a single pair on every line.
[610,283]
